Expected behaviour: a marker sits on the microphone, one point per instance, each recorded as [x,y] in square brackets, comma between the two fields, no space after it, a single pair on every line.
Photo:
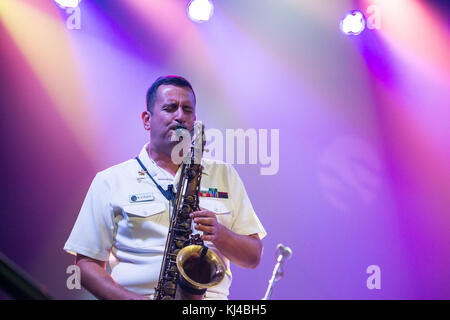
[286,252]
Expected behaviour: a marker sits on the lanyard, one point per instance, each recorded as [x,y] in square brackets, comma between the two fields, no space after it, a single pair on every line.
[169,194]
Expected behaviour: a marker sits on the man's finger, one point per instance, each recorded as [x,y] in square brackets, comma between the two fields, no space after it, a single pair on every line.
[202,213]
[207,237]
[205,221]
[203,228]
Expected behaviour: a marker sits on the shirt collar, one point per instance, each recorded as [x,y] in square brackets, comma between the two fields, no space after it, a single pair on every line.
[153,169]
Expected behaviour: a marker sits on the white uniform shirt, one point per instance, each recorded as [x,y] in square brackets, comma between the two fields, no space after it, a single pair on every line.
[125,219]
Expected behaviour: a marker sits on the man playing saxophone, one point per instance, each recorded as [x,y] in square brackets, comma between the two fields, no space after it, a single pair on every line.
[125,217]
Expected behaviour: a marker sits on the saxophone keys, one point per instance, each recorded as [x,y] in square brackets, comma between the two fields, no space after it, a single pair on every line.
[169,288]
[179,243]
[186,209]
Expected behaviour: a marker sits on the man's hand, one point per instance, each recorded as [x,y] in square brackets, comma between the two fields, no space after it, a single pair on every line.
[206,221]
[243,250]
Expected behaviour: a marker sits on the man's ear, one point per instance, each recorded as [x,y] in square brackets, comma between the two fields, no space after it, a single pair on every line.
[146,116]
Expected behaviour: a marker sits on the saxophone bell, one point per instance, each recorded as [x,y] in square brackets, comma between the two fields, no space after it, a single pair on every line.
[200,268]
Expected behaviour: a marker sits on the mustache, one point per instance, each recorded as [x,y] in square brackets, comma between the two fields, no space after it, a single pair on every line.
[179,126]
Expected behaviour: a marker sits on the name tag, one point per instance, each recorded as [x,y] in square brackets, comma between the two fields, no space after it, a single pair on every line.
[140,197]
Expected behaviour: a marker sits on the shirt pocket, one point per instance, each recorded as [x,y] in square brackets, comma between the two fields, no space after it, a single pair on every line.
[221,207]
[143,227]
[149,211]
[144,210]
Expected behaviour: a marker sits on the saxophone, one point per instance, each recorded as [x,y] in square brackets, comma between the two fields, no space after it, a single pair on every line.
[188,267]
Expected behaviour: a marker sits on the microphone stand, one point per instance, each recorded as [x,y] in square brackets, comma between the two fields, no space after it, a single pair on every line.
[17,284]
[278,271]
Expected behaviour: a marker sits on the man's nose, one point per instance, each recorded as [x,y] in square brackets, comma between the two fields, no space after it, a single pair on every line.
[180,116]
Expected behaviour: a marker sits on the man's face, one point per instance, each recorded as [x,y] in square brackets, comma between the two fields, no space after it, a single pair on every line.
[173,106]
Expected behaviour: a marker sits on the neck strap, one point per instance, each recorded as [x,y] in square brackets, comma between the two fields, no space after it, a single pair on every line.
[169,194]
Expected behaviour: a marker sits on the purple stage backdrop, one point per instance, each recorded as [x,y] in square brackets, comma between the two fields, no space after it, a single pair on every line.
[352,133]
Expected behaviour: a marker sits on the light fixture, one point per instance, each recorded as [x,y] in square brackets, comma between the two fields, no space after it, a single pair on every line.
[67,3]
[353,23]
[200,10]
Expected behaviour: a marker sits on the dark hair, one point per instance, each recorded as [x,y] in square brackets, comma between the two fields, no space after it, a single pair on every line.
[165,80]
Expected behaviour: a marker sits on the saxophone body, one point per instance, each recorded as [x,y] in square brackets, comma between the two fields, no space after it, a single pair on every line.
[188,267]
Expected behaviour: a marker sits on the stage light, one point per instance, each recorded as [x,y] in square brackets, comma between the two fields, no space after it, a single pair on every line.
[200,10]
[353,23]
[68,3]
